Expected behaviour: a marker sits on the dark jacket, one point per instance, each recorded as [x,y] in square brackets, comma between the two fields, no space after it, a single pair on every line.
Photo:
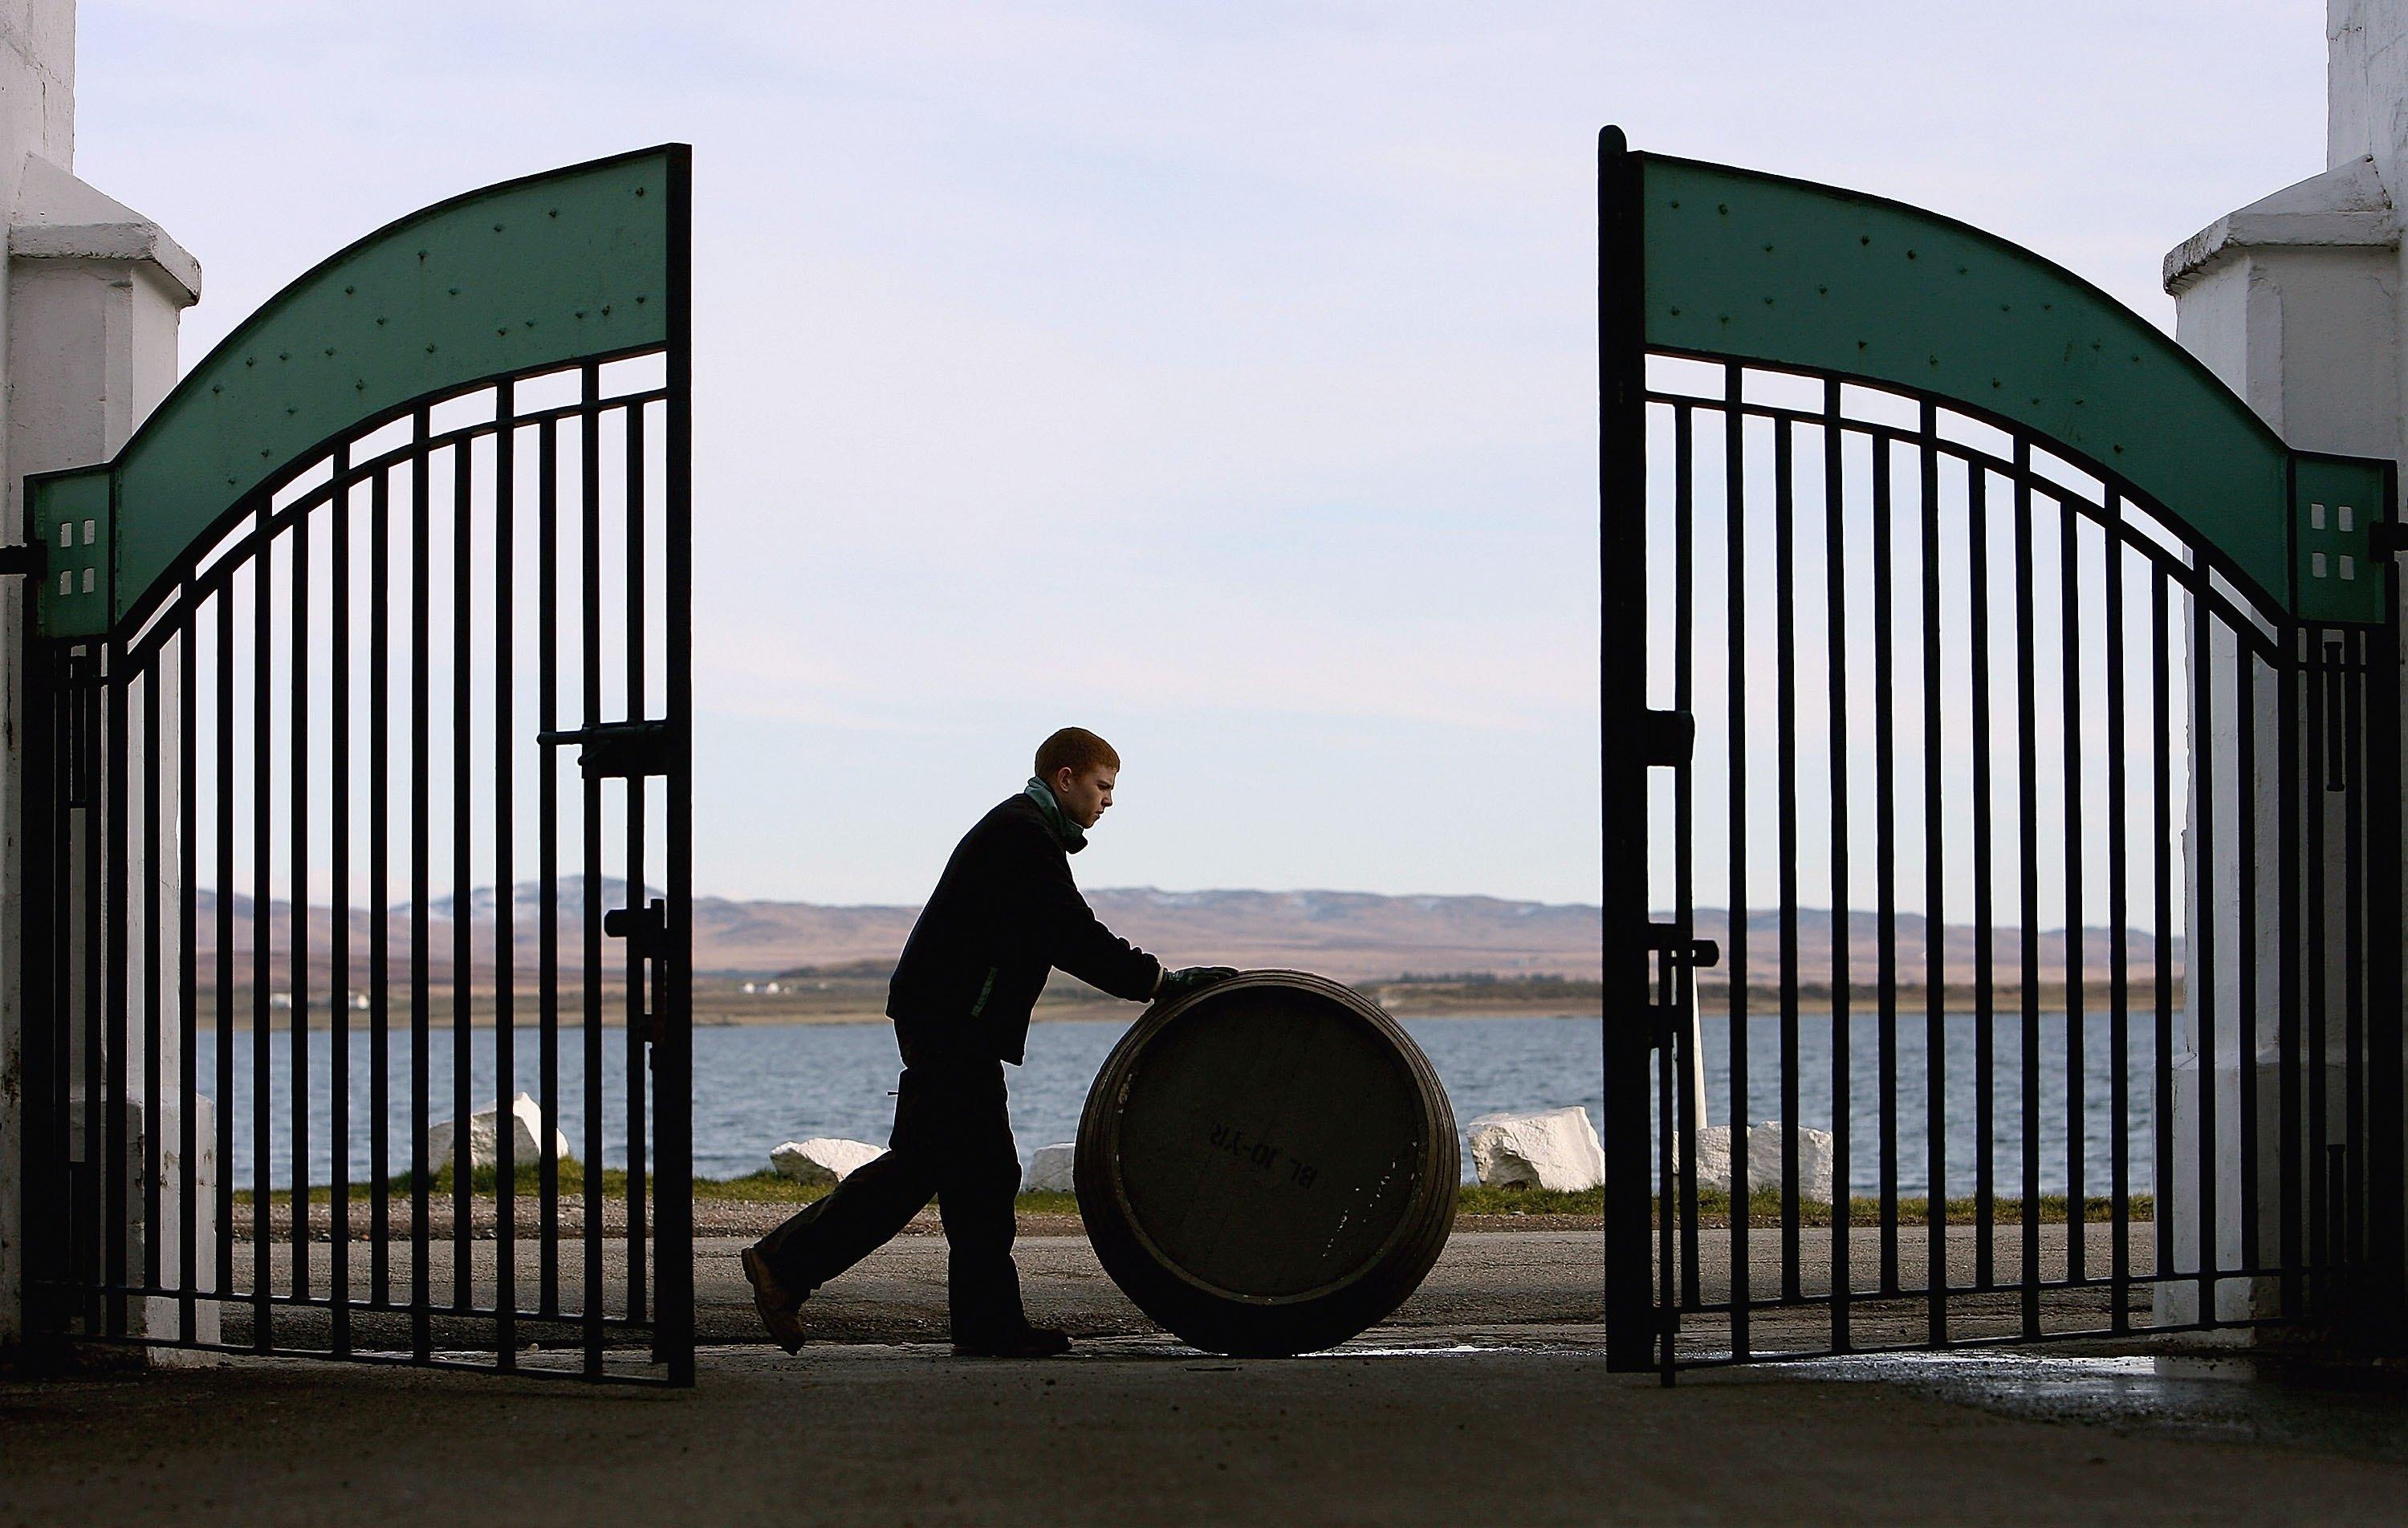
[1004,913]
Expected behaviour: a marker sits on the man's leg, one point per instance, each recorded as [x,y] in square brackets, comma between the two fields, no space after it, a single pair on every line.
[859,1215]
[978,1176]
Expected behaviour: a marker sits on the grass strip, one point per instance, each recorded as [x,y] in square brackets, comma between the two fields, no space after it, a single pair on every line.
[1713,1205]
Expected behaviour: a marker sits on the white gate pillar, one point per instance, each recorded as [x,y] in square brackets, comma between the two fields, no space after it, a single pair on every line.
[2295,301]
[94,296]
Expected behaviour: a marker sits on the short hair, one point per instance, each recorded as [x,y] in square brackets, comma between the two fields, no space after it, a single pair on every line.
[1075,749]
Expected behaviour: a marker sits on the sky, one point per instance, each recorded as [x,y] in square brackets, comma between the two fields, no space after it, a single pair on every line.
[1222,378]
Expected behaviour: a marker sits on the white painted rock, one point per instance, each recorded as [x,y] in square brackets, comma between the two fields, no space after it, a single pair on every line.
[1541,1149]
[1050,1170]
[1764,1148]
[823,1160]
[526,1130]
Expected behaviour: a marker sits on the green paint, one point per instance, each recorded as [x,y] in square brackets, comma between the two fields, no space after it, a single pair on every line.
[516,277]
[1758,269]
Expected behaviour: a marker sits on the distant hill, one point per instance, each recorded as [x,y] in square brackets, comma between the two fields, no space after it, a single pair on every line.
[1348,934]
[1351,936]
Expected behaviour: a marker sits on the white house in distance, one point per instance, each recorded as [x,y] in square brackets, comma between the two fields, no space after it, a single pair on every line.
[91,294]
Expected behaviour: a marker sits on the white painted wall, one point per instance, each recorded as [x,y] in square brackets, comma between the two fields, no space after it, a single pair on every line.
[90,298]
[2296,302]
[36,116]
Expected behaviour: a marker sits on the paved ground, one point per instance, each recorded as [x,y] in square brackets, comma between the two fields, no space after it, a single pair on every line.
[1487,1400]
[1452,1427]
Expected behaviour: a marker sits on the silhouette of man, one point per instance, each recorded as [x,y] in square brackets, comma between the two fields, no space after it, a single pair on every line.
[1004,914]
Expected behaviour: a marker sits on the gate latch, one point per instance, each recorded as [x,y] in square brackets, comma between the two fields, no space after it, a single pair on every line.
[646,929]
[1666,738]
[618,750]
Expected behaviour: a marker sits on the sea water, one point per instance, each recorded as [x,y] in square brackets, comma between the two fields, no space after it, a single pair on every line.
[757,1085]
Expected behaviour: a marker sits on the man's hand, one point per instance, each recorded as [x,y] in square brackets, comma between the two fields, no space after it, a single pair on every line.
[1192,978]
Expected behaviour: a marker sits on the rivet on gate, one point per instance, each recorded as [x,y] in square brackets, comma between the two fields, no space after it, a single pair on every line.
[1909,254]
[430,348]
[455,291]
[348,291]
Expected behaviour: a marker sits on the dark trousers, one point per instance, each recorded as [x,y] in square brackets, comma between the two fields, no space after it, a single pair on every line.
[951,1140]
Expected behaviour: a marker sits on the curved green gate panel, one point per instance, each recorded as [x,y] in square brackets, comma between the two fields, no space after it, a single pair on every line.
[552,268]
[1759,267]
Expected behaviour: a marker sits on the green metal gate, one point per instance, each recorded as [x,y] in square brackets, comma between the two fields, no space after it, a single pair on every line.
[1959,622]
[361,768]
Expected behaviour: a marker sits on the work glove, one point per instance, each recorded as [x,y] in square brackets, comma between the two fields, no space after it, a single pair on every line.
[1192,978]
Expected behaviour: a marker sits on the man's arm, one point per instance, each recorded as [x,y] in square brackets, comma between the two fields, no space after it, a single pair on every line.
[1075,940]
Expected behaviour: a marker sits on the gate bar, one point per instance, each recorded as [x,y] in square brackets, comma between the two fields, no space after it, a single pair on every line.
[263,1049]
[548,858]
[1835,646]
[421,1330]
[590,673]
[463,954]
[339,886]
[1986,931]
[2199,958]
[1735,603]
[2069,557]
[506,1287]
[2027,883]
[297,969]
[1622,446]
[379,890]
[1935,966]
[2120,1086]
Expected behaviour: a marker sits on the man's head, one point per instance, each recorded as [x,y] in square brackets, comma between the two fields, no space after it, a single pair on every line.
[1080,768]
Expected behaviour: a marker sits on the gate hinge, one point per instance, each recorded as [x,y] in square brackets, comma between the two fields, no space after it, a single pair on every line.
[619,750]
[1665,739]
[21,561]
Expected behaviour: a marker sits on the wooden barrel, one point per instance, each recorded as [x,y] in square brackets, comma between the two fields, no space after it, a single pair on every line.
[1267,1166]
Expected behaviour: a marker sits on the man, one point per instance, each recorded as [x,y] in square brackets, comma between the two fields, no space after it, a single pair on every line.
[1004,914]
